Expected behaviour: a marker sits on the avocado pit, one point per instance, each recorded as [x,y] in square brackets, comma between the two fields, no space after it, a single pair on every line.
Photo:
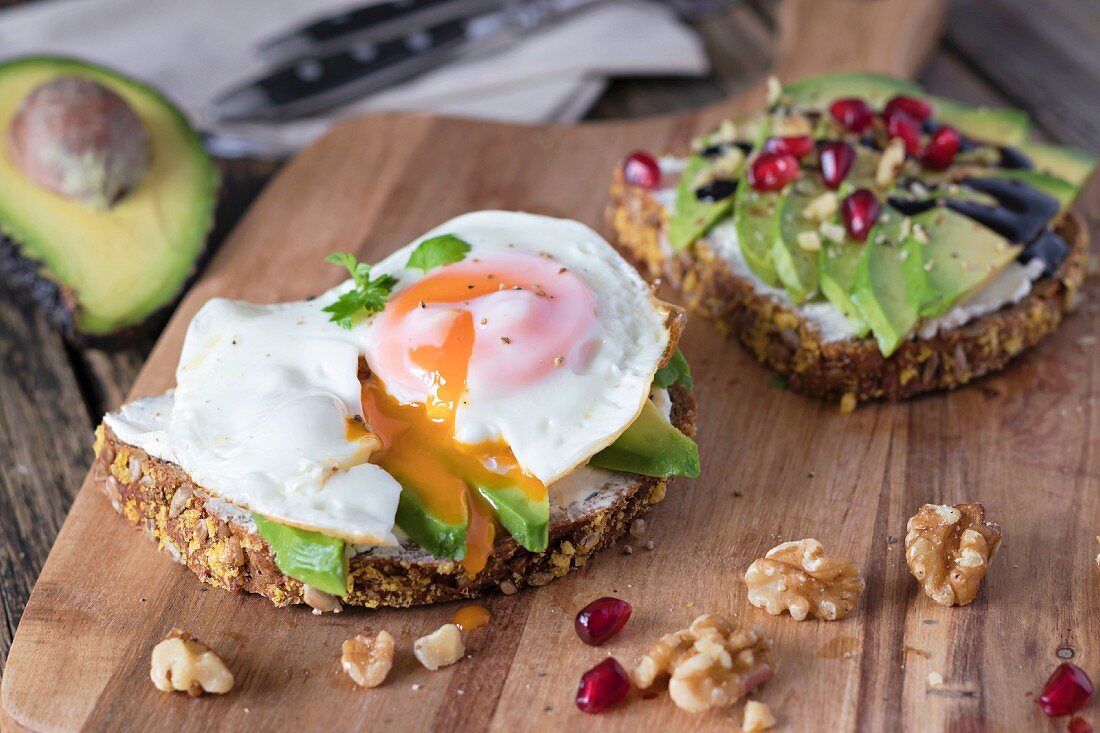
[79,139]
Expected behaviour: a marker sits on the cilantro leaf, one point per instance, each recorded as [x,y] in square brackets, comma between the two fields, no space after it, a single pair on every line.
[438,251]
[368,296]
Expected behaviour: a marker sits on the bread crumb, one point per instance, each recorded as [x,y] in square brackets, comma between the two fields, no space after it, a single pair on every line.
[935,679]
[848,403]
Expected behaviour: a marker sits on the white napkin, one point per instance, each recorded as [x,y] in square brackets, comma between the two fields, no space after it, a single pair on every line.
[194,49]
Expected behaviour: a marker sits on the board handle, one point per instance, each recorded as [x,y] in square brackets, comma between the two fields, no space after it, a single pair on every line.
[820,36]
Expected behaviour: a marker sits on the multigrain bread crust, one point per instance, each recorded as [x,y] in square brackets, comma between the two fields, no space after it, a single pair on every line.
[851,370]
[159,497]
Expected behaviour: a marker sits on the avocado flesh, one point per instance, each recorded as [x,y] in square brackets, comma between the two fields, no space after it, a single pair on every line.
[838,263]
[1004,126]
[798,269]
[1074,166]
[527,520]
[961,256]
[675,371]
[692,217]
[755,214]
[310,557]
[890,285]
[651,446]
[437,536]
[126,262]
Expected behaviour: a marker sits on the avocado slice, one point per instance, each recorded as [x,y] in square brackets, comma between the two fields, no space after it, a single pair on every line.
[798,268]
[755,217]
[1004,126]
[838,262]
[675,371]
[310,557]
[692,217]
[439,537]
[527,520]
[1069,164]
[960,257]
[890,284]
[651,446]
[126,262]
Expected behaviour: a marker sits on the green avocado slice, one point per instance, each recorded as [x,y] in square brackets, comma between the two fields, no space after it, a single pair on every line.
[651,446]
[692,217]
[310,557]
[438,537]
[527,521]
[1069,164]
[677,370]
[755,217]
[798,269]
[890,283]
[128,261]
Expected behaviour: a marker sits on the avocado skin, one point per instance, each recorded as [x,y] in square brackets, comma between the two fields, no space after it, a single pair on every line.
[29,279]
[651,446]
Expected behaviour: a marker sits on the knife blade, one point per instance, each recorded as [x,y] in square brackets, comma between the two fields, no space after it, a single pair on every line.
[315,84]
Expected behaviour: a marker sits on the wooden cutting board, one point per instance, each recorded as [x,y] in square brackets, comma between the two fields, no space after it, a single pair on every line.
[776,466]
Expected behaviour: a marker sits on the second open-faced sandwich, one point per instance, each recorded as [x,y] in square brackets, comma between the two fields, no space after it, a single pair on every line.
[863,238]
[486,407]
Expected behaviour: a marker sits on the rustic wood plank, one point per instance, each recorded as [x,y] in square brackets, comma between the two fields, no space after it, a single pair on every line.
[45,434]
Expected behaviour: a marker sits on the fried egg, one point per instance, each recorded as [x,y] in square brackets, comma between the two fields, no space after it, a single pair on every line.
[511,367]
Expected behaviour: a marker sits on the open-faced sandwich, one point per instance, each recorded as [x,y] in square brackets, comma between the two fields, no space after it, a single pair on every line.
[486,407]
[863,238]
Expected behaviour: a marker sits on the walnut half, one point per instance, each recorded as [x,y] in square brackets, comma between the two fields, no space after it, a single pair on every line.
[713,662]
[184,664]
[948,549]
[798,577]
[367,658]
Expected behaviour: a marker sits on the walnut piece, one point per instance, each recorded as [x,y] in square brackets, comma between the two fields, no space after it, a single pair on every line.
[368,659]
[798,577]
[320,601]
[758,717]
[713,662]
[184,664]
[948,549]
[440,648]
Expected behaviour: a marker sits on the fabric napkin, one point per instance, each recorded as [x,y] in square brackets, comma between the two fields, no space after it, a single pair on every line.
[195,49]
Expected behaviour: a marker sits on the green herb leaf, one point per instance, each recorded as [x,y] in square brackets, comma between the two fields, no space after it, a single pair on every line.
[438,251]
[368,296]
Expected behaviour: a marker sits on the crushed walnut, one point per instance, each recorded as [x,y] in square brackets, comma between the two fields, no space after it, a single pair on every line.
[713,662]
[798,577]
[758,717]
[441,648]
[367,658]
[184,664]
[948,549]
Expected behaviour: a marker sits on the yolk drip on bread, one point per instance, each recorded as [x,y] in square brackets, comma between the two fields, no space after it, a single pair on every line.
[431,341]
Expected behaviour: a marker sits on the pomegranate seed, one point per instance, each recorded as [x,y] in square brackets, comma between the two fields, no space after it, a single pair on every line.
[602,686]
[918,109]
[860,211]
[940,151]
[640,169]
[1079,725]
[601,619]
[852,112]
[772,171]
[836,161]
[797,145]
[901,124]
[1066,692]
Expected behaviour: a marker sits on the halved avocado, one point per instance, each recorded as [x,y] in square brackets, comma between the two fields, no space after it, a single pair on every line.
[119,265]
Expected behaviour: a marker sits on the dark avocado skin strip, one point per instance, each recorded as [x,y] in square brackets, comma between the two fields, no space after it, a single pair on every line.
[311,557]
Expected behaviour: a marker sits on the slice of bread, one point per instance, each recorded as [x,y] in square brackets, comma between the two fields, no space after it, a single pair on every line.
[219,543]
[852,370]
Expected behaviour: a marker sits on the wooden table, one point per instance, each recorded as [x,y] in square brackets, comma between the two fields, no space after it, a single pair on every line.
[1043,59]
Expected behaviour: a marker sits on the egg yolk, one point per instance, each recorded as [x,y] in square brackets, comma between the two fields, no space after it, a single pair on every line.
[433,338]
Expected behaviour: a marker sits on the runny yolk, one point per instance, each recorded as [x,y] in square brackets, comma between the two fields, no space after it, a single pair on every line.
[418,444]
[468,618]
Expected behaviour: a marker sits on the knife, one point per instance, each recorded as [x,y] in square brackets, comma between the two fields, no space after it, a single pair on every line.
[317,83]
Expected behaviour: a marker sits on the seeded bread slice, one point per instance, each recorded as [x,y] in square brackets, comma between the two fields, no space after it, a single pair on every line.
[852,370]
[219,542]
